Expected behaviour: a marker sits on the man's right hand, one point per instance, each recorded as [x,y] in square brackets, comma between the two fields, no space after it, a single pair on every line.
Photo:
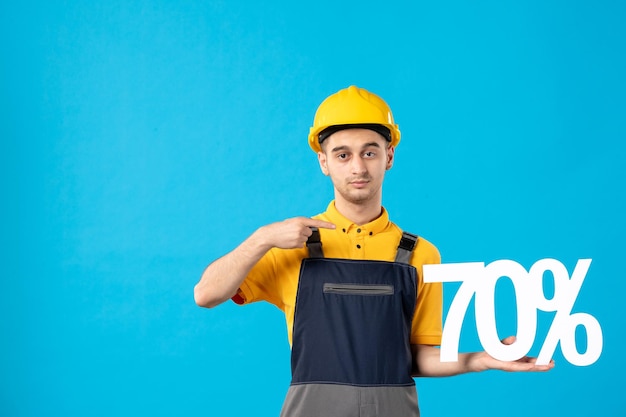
[222,278]
[291,233]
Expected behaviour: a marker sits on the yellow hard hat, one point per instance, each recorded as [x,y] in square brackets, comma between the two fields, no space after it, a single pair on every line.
[352,107]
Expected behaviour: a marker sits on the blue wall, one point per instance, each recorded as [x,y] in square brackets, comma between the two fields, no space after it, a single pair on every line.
[141,140]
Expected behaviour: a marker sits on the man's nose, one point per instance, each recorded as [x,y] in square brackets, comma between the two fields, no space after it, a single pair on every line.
[358,165]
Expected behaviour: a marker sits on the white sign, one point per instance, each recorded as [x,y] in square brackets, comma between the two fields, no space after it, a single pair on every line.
[480,280]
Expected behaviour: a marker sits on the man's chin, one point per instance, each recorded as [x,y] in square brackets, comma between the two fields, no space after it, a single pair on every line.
[358,198]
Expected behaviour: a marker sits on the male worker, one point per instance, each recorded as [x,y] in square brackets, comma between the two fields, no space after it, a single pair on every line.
[360,319]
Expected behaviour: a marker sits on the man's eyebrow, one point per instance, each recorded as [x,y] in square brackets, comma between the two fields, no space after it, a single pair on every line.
[340,148]
[374,144]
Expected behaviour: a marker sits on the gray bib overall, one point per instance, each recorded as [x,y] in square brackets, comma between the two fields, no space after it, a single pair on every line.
[351,351]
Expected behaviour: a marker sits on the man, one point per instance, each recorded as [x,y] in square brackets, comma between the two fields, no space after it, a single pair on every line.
[360,319]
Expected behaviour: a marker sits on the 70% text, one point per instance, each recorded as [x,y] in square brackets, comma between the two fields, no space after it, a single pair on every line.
[480,280]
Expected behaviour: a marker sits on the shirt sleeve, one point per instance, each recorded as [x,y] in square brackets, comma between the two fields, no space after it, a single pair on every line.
[427,322]
[259,285]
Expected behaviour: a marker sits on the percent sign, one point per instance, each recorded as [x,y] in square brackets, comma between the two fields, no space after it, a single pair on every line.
[480,280]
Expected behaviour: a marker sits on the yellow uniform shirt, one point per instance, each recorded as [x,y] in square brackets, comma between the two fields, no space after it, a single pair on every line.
[275,277]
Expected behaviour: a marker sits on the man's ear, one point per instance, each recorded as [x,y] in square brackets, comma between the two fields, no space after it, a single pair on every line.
[321,158]
[390,153]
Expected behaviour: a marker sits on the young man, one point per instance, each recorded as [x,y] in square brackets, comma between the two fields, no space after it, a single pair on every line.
[360,319]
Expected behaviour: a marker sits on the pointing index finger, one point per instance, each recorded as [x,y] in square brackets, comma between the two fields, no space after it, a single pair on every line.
[318,223]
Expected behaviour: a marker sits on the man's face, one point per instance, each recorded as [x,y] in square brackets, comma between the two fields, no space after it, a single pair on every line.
[356,161]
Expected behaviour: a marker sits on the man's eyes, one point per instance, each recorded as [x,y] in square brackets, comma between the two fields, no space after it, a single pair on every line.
[368,154]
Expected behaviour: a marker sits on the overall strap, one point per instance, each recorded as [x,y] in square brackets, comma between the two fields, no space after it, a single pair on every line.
[314,244]
[405,248]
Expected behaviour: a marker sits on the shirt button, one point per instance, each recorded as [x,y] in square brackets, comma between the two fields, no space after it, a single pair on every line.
[358,230]
[358,246]
[371,233]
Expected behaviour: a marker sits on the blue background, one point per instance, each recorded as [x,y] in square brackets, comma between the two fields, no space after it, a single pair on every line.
[143,139]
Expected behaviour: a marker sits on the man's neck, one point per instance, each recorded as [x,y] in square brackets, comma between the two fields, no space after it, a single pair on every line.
[359,214]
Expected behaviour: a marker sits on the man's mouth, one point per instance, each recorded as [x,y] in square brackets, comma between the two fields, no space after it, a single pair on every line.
[360,183]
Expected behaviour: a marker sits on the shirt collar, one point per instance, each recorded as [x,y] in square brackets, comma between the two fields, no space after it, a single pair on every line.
[346,226]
